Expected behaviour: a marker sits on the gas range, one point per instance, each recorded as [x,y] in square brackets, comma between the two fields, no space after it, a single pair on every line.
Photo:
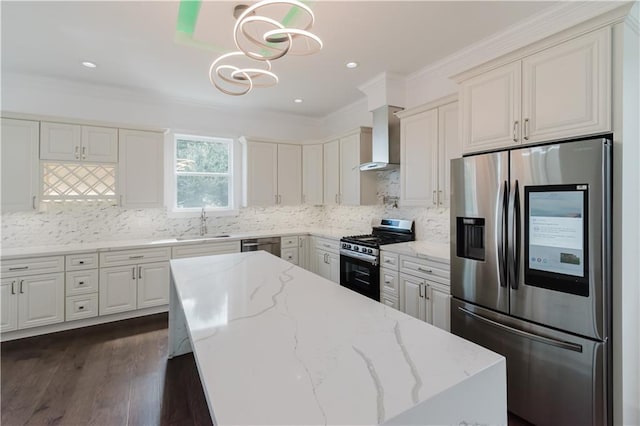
[360,255]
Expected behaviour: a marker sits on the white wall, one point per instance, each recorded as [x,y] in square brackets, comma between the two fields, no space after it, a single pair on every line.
[53,97]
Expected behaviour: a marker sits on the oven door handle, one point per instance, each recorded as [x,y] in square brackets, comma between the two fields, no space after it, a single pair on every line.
[373,260]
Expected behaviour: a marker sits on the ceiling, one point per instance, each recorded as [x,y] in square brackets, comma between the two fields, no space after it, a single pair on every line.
[134,44]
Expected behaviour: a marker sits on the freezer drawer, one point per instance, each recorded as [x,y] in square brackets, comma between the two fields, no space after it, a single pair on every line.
[552,377]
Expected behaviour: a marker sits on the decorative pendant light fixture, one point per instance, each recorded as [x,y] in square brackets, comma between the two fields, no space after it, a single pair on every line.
[274,43]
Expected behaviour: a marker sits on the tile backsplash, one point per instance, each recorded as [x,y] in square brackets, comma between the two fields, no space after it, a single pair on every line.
[67,224]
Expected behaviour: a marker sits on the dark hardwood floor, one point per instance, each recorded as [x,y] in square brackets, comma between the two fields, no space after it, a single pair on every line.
[111,374]
[107,375]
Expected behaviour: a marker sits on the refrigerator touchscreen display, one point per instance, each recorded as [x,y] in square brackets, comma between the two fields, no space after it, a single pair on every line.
[556,232]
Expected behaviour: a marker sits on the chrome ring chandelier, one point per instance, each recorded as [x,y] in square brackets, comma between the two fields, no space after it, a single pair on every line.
[273,44]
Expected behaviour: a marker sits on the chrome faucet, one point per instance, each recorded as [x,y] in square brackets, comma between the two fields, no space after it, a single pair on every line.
[203,222]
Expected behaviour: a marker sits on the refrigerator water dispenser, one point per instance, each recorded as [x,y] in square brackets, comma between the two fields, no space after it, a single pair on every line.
[470,238]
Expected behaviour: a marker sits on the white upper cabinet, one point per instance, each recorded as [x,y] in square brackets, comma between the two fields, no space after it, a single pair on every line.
[273,174]
[140,168]
[449,147]
[560,92]
[72,142]
[566,89]
[289,174]
[490,105]
[312,174]
[331,167]
[343,181]
[419,159]
[19,169]
[429,140]
[261,172]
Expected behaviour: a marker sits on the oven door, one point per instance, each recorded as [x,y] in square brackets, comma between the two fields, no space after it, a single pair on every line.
[360,276]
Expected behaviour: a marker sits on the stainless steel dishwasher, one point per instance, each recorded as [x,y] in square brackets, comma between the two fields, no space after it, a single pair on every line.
[271,245]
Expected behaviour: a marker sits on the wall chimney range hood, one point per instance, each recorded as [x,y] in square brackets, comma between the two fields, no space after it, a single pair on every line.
[386,140]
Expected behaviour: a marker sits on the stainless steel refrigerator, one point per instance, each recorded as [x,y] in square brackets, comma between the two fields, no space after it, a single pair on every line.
[531,274]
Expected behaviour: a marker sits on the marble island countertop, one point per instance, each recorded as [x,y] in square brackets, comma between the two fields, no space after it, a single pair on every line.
[51,250]
[276,344]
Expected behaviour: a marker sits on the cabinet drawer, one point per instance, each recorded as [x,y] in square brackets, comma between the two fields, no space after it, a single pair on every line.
[290,255]
[389,281]
[77,262]
[389,260]
[81,282]
[390,301]
[208,249]
[429,269]
[132,257]
[83,306]
[327,245]
[287,242]
[31,266]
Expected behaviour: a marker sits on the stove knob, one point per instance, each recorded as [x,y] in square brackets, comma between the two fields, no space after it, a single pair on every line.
[370,251]
[356,248]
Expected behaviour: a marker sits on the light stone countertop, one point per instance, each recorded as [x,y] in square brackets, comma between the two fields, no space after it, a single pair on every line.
[56,250]
[438,252]
[276,344]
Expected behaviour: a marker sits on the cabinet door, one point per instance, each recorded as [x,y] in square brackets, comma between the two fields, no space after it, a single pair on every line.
[289,174]
[567,89]
[20,166]
[440,307]
[41,300]
[323,264]
[9,304]
[413,300]
[118,289]
[490,108]
[153,284]
[419,159]
[261,174]
[312,187]
[449,147]
[331,167]
[60,141]
[141,168]
[334,268]
[303,252]
[350,170]
[99,144]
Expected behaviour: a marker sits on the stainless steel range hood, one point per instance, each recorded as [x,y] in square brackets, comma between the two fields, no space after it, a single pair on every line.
[386,139]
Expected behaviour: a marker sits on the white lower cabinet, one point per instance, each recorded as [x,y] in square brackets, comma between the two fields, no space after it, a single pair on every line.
[32,301]
[153,284]
[389,284]
[82,306]
[125,288]
[328,265]
[424,290]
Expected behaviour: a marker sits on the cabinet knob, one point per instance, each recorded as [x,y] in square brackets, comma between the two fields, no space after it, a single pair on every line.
[80,308]
[81,283]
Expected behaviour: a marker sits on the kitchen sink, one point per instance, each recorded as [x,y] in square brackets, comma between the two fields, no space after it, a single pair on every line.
[202,237]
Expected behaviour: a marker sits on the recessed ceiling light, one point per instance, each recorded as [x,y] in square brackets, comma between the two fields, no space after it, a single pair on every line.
[89,64]
[298,101]
[352,65]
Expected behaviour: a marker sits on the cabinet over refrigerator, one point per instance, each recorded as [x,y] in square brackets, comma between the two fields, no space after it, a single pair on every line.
[531,273]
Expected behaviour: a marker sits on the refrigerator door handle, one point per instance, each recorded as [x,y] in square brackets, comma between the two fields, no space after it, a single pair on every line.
[546,340]
[500,237]
[513,240]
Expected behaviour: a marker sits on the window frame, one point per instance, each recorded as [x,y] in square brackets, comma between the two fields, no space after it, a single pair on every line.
[171,189]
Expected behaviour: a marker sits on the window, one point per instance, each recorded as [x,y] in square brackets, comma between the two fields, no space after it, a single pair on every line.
[203,174]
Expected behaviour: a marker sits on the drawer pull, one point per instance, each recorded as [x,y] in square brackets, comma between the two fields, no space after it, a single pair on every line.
[136,257]
[80,308]
[388,261]
[80,282]
[429,271]
[19,268]
[387,282]
[81,262]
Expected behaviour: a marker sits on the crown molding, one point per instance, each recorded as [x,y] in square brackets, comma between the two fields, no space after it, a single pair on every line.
[445,100]
[547,23]
[633,18]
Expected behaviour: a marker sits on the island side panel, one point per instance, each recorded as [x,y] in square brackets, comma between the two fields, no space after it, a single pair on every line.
[481,399]
[179,341]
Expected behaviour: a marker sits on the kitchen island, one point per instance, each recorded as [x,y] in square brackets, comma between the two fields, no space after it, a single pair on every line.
[276,344]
